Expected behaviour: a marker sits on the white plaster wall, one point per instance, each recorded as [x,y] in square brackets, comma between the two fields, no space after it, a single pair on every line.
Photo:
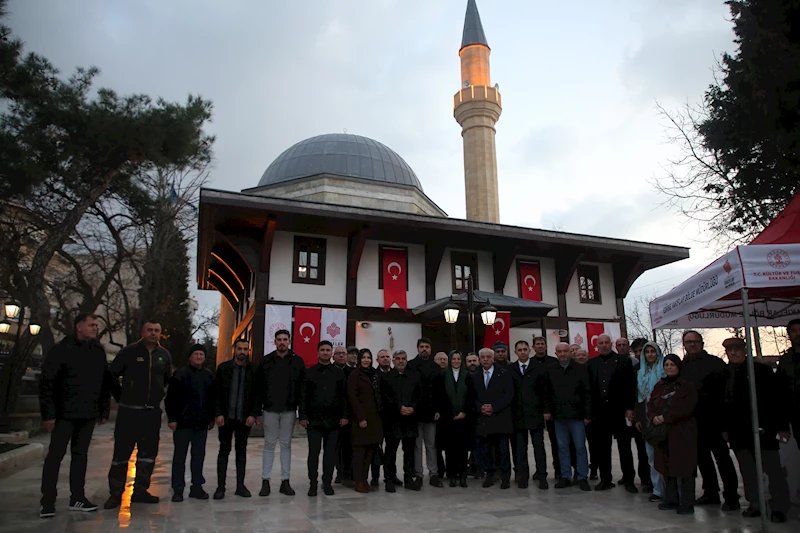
[367,292]
[376,338]
[607,309]
[444,278]
[547,270]
[281,287]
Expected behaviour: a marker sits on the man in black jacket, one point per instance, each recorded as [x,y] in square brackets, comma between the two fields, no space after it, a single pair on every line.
[236,410]
[190,411]
[528,415]
[74,394]
[789,376]
[568,400]
[323,410]
[541,359]
[774,422]
[278,380]
[344,447]
[707,373]
[401,392]
[613,386]
[491,394]
[141,372]
[432,381]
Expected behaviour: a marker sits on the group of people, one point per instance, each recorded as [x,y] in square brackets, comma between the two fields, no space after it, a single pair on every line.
[466,416]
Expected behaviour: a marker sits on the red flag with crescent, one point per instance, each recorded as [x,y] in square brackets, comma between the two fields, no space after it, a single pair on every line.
[307,325]
[394,278]
[499,331]
[593,330]
[530,280]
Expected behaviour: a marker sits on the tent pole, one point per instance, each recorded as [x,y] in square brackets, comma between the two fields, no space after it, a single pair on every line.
[757,341]
[751,371]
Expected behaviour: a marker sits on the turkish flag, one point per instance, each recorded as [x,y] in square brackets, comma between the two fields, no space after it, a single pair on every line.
[530,282]
[499,331]
[594,330]
[394,278]
[307,322]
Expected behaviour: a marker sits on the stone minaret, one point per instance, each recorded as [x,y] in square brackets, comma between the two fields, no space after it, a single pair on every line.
[477,107]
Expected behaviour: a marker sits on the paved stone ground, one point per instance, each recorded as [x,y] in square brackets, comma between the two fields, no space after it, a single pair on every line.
[446,509]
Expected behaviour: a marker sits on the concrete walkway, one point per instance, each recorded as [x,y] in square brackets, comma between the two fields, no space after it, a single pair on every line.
[447,509]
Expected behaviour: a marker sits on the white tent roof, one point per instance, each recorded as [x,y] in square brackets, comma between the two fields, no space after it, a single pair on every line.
[711,298]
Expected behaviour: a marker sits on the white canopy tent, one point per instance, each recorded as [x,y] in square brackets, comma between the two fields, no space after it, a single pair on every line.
[753,285]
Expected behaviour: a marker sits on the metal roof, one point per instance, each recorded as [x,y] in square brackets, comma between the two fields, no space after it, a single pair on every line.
[341,154]
[473,29]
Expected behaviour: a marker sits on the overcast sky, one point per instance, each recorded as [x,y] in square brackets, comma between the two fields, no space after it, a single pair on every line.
[579,141]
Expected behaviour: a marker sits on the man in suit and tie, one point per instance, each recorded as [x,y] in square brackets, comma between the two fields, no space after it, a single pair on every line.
[491,394]
[613,390]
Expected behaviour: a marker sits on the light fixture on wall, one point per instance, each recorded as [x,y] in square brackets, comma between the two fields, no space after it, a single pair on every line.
[365,325]
[451,313]
[12,310]
[34,329]
[488,315]
[5,327]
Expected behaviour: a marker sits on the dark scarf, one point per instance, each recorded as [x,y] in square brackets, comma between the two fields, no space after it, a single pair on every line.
[456,391]
[677,360]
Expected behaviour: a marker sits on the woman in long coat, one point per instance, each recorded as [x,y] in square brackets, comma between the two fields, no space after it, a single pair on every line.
[454,424]
[651,371]
[363,397]
[673,402]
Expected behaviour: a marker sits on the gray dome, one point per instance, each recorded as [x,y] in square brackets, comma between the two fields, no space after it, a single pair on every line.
[340,154]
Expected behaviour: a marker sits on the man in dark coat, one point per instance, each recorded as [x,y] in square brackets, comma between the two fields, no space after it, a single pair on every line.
[236,410]
[625,349]
[323,410]
[613,385]
[541,360]
[568,402]
[491,394]
[789,376]
[141,372]
[190,411]
[501,354]
[401,393]
[707,372]
[432,381]
[739,430]
[344,447]
[278,380]
[74,395]
[528,416]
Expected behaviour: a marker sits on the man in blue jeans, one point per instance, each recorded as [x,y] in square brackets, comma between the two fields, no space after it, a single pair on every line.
[567,401]
[190,411]
[278,380]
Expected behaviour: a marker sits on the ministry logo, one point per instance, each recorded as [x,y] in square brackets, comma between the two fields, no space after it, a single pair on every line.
[778,258]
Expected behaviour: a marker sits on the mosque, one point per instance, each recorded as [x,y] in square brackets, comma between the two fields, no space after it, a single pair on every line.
[339,241]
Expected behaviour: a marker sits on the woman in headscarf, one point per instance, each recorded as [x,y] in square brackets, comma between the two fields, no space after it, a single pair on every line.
[453,422]
[673,402]
[650,372]
[363,397]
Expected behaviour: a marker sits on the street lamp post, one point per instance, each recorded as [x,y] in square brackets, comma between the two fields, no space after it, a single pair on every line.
[13,311]
[488,315]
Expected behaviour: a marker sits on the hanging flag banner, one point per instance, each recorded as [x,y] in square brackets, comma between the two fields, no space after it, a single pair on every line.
[333,326]
[612,329]
[530,280]
[307,322]
[276,318]
[394,278]
[593,331]
[499,331]
[577,334]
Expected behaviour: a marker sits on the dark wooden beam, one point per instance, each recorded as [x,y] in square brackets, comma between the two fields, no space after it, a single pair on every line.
[269,238]
[621,313]
[434,252]
[626,272]
[502,260]
[355,247]
[566,264]
[244,322]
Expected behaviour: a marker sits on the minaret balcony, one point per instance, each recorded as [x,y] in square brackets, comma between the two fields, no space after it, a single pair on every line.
[477,92]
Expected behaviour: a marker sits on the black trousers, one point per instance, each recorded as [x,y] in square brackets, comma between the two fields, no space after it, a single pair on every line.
[324,440]
[457,439]
[227,432]
[77,433]
[680,492]
[643,464]
[710,442]
[377,461]
[183,438]
[778,486]
[606,427]
[390,457]
[135,428]
[519,451]
[344,467]
[494,448]
[362,458]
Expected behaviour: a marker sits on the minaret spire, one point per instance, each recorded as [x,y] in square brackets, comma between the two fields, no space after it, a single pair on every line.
[477,107]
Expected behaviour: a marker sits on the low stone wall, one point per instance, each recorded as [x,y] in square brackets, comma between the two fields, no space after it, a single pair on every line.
[20,458]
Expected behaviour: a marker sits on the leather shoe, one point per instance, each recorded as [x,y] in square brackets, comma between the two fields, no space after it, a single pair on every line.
[686,510]
[286,488]
[543,485]
[375,482]
[390,486]
[751,512]
[562,484]
[411,484]
[198,493]
[112,502]
[265,490]
[630,487]
[436,482]
[664,506]
[707,499]
[604,485]
[731,506]
[505,484]
[143,497]
[584,485]
[488,482]
[219,494]
[177,497]
[327,489]
[463,482]
[778,517]
[243,492]
[312,490]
